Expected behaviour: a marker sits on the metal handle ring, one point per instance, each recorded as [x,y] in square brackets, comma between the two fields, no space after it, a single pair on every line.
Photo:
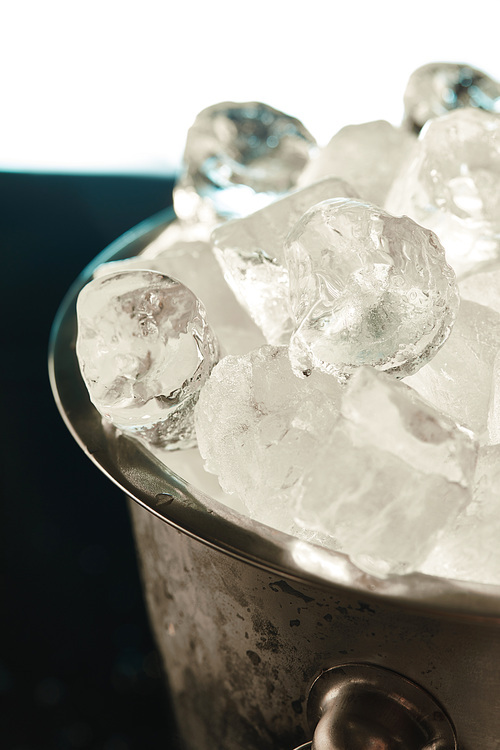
[361,706]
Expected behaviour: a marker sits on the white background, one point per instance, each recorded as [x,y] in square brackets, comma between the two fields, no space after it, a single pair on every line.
[113,86]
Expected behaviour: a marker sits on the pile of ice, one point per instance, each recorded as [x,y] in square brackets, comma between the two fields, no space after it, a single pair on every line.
[324,323]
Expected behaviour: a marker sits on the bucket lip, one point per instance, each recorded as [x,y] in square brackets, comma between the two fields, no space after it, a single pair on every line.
[151,484]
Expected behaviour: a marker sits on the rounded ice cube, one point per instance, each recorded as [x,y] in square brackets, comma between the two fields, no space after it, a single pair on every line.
[145,349]
[452,186]
[193,263]
[436,88]
[366,288]
[238,158]
[250,252]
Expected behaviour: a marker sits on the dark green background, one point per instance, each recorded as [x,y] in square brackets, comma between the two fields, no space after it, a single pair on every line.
[78,667]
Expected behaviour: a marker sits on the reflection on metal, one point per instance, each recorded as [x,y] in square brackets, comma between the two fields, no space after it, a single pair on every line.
[318,561]
[359,706]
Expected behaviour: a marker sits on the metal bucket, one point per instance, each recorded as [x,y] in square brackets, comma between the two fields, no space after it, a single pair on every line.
[267,639]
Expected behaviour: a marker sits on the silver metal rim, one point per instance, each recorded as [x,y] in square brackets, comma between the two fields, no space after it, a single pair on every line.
[148,482]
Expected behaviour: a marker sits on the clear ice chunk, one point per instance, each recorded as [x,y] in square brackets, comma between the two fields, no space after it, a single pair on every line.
[458,380]
[371,469]
[398,470]
[436,88]
[452,186]
[482,287]
[193,264]
[177,231]
[250,252]
[259,427]
[366,288]
[468,549]
[145,350]
[367,156]
[493,421]
[238,158]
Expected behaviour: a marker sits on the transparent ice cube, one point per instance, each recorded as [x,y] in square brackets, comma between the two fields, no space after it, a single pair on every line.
[391,474]
[366,288]
[482,287]
[367,156]
[193,264]
[452,186]
[238,158]
[144,349]
[250,252]
[459,378]
[436,88]
[468,549]
[259,427]
[493,421]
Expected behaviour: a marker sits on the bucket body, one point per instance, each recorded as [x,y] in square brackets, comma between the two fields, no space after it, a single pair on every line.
[241,646]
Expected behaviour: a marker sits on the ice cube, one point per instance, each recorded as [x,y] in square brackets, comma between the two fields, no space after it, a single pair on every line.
[452,186]
[459,378]
[494,404]
[238,158]
[482,287]
[250,252]
[145,349]
[177,231]
[469,548]
[259,427]
[367,156]
[391,474]
[366,288]
[377,480]
[437,88]
[193,264]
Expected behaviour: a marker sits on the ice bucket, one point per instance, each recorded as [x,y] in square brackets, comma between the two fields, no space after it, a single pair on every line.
[271,643]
